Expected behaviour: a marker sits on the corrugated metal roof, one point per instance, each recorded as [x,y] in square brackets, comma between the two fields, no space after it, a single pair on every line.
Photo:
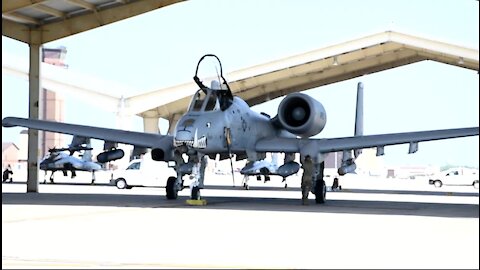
[316,68]
[56,19]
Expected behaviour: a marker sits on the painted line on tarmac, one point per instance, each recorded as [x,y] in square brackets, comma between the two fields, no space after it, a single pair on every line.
[10,262]
[64,216]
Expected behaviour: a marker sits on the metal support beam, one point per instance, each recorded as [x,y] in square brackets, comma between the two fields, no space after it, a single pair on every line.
[35,110]
[51,11]
[20,18]
[93,18]
[9,6]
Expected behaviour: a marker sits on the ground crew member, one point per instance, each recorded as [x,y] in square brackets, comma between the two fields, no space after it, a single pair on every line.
[7,174]
[307,178]
[336,184]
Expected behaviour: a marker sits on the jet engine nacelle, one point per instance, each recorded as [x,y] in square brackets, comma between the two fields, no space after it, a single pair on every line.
[110,155]
[301,115]
[348,166]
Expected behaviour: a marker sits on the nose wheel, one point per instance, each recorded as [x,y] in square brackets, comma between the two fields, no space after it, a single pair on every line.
[195,193]
[195,198]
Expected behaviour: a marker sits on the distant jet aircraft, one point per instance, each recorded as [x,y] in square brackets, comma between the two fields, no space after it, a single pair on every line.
[266,168]
[218,123]
[58,160]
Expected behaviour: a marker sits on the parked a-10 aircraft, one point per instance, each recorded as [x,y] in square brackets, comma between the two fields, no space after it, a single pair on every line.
[263,168]
[218,123]
[59,160]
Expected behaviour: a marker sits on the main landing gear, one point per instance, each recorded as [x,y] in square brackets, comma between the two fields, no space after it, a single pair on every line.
[245,182]
[319,188]
[320,191]
[51,177]
[172,188]
[246,177]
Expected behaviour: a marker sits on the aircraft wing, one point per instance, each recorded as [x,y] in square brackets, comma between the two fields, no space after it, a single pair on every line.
[311,146]
[142,139]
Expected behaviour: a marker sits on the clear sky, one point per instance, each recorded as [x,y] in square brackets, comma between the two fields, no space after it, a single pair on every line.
[161,48]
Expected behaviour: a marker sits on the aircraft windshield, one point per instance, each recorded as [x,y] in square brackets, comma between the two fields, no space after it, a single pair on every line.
[211,102]
[197,101]
[202,101]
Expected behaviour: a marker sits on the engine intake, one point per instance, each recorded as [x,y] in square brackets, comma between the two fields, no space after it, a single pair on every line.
[158,154]
[301,115]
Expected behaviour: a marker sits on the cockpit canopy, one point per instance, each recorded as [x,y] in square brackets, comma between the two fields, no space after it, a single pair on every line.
[208,99]
[204,101]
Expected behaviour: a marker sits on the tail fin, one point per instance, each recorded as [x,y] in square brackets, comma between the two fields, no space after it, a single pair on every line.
[359,115]
[87,154]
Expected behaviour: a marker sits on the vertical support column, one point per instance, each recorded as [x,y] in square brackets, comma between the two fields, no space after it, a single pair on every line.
[172,121]
[150,124]
[35,110]
[123,118]
[124,122]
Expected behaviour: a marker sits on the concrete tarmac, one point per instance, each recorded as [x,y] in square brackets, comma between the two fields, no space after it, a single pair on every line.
[384,224]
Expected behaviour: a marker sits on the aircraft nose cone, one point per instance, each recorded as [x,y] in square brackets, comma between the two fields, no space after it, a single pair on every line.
[183,137]
[191,139]
[43,165]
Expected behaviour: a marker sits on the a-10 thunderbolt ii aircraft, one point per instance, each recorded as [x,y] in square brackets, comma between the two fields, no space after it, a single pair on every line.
[218,123]
[265,168]
[59,160]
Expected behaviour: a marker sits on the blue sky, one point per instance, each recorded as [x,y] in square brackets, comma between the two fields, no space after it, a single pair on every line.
[161,48]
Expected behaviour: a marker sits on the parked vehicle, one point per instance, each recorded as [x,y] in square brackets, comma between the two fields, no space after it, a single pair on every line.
[142,173]
[455,177]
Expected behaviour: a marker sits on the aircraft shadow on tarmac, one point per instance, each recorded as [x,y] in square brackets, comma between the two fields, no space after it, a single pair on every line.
[371,191]
[349,190]
[249,203]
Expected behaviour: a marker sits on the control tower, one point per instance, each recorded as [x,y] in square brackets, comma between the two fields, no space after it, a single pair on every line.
[53,103]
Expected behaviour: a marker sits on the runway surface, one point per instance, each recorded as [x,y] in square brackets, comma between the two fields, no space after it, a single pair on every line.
[369,224]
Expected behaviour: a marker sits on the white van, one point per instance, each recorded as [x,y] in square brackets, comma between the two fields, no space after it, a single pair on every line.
[142,173]
[455,177]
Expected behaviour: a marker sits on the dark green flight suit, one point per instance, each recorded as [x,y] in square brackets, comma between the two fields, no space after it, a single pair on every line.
[307,178]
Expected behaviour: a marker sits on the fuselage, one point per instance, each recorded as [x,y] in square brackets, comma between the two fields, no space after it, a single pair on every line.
[208,129]
[62,161]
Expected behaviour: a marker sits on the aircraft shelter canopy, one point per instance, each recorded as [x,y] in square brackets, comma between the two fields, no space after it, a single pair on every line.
[312,69]
[58,19]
